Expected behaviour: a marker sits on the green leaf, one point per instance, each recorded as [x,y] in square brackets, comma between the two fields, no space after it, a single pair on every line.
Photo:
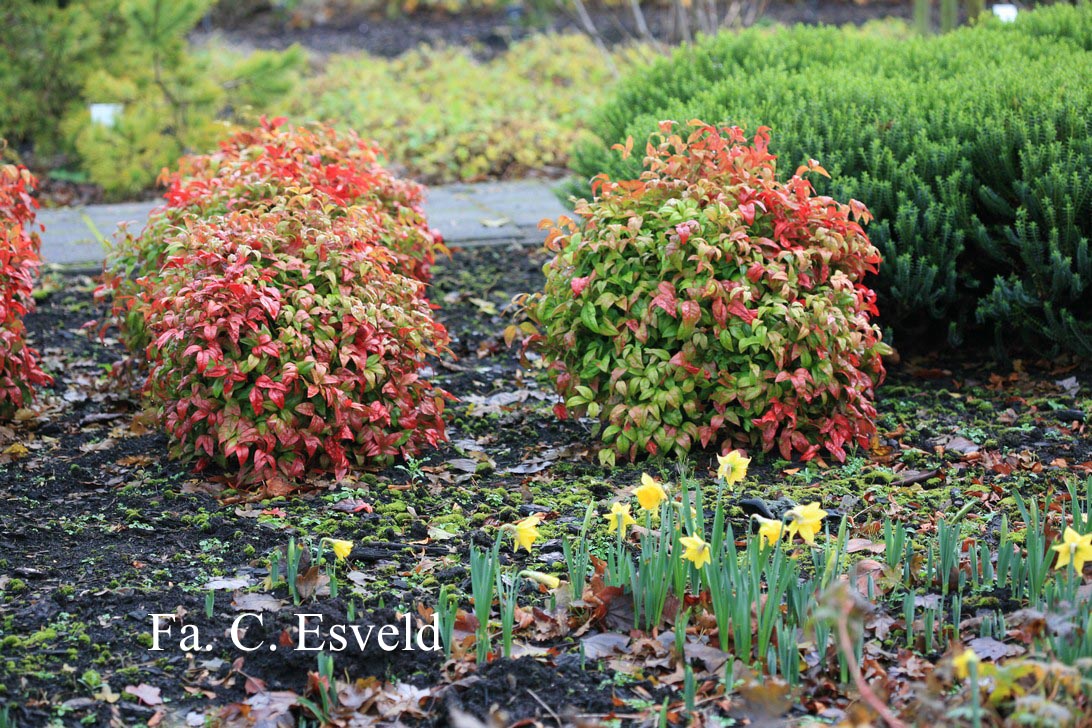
[587,317]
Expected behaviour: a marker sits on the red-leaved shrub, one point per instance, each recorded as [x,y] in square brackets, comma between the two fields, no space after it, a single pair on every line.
[279,298]
[283,345]
[19,262]
[293,169]
[708,303]
[334,170]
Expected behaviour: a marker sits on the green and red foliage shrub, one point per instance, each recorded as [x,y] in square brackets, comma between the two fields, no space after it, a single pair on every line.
[707,303]
[280,299]
[282,345]
[337,170]
[277,165]
[291,168]
[19,262]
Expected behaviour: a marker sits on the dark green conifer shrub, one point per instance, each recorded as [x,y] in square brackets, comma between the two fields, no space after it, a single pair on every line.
[970,149]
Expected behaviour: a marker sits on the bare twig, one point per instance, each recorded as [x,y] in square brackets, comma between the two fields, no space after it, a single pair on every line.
[639,19]
[732,14]
[846,644]
[916,478]
[547,707]
[757,8]
[712,16]
[593,33]
[683,17]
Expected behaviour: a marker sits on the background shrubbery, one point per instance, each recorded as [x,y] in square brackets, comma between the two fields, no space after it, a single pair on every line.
[58,57]
[19,261]
[441,114]
[280,299]
[971,150]
[445,116]
[710,304]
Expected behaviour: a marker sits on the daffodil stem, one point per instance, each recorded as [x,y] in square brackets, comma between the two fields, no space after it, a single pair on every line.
[292,569]
[483,576]
[506,596]
[331,573]
[447,607]
[976,699]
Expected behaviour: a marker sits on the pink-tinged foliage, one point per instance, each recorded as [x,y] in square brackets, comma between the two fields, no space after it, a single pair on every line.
[708,303]
[332,170]
[295,169]
[20,246]
[279,297]
[281,347]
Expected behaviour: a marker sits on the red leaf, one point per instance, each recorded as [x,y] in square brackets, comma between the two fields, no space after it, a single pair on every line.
[666,299]
[747,210]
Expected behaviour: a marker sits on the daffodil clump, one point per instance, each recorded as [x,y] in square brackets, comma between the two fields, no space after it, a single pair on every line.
[773,599]
[292,557]
[804,520]
[674,555]
[487,580]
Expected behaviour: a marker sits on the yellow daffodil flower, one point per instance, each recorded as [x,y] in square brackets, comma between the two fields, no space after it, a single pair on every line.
[547,580]
[805,520]
[341,549]
[961,663]
[650,494]
[525,532]
[733,467]
[619,516]
[770,530]
[1075,549]
[697,550]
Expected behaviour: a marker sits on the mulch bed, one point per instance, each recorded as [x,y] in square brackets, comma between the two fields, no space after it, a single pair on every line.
[99,531]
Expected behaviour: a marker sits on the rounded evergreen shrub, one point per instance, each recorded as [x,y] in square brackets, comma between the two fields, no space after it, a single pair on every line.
[313,167]
[278,304]
[281,345]
[970,149]
[272,164]
[296,170]
[707,303]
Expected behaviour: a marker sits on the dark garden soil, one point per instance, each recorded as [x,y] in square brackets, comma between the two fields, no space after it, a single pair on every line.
[488,33]
[99,531]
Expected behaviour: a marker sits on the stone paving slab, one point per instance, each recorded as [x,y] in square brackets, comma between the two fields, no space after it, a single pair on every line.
[466,214]
[73,235]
